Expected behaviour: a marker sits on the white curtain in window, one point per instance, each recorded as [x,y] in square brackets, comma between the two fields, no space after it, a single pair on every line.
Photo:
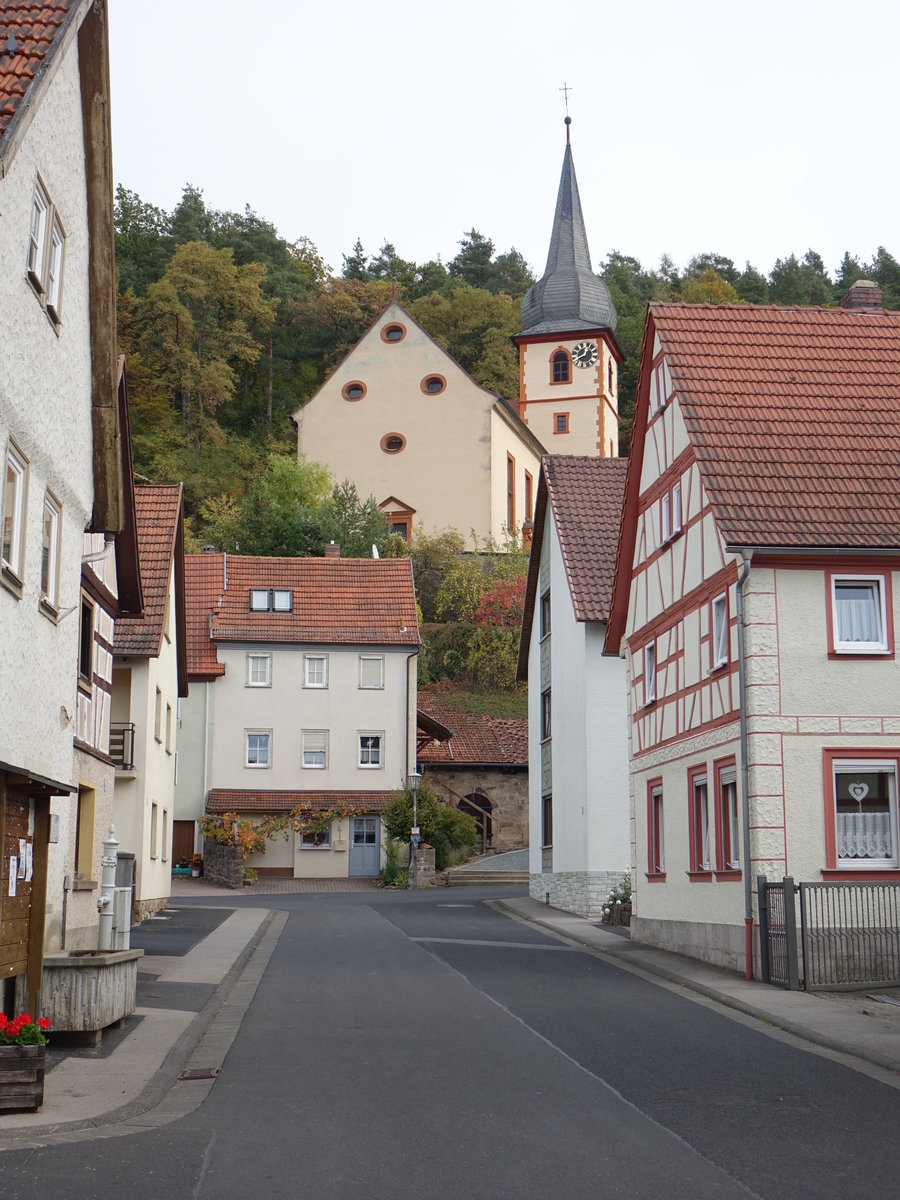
[857,613]
[864,835]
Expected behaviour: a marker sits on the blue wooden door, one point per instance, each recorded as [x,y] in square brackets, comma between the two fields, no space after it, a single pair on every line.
[364,845]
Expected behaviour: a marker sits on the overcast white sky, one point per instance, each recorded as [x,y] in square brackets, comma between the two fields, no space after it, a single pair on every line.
[750,130]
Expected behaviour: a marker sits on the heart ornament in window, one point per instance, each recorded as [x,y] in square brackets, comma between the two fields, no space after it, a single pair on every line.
[858,791]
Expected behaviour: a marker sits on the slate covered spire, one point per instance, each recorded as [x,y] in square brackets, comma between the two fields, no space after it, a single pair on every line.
[569,296]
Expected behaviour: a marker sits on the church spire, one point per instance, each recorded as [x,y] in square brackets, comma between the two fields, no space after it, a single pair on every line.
[569,296]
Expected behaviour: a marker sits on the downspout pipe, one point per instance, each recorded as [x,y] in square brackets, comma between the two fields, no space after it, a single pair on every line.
[745,769]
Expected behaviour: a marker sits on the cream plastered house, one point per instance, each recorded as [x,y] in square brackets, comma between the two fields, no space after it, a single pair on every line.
[58,425]
[568,356]
[110,588]
[755,604]
[314,703]
[407,425]
[149,678]
[579,839]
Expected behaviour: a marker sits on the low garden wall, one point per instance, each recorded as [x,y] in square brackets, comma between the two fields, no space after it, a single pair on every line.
[223,865]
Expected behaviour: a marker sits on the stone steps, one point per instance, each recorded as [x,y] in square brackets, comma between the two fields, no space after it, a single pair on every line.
[460,875]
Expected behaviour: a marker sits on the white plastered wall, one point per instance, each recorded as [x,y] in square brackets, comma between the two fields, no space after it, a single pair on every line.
[45,404]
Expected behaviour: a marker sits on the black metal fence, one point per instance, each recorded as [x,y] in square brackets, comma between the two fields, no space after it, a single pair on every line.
[848,934]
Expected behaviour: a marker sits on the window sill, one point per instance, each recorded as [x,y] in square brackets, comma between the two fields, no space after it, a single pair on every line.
[699,876]
[718,667]
[655,876]
[84,885]
[10,580]
[649,704]
[50,611]
[729,874]
[314,848]
[85,686]
[861,873]
[882,652]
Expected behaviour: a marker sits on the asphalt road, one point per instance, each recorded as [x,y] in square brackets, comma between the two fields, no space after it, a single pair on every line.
[404,1046]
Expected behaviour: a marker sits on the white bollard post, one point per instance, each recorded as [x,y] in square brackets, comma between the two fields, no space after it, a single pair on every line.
[106,900]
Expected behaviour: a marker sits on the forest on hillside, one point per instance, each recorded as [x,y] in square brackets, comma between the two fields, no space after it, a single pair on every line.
[228,328]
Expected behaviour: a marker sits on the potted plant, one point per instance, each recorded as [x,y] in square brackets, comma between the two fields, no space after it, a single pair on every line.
[197,865]
[23,1048]
[617,910]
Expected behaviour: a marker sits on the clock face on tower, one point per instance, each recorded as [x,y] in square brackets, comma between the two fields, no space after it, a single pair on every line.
[584,354]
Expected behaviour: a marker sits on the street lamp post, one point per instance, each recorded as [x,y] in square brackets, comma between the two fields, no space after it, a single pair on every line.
[413,780]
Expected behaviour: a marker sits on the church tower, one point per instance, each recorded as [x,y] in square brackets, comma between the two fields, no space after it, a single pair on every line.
[568,356]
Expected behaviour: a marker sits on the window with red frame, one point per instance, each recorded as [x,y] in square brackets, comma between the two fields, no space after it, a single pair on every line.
[656,850]
[699,823]
[727,846]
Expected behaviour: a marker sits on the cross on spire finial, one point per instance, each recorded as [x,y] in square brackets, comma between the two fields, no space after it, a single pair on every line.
[565,89]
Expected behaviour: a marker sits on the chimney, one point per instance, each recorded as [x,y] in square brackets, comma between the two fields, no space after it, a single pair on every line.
[864,294]
[332,550]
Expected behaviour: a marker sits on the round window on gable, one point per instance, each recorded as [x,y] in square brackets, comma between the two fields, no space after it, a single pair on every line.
[393,332]
[433,385]
[354,389]
[393,443]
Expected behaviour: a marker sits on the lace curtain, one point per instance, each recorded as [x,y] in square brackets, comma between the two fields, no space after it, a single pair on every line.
[864,835]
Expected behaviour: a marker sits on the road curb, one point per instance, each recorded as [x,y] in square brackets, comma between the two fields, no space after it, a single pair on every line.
[227,1005]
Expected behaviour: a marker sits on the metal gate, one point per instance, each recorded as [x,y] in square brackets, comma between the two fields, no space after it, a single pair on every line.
[778,932]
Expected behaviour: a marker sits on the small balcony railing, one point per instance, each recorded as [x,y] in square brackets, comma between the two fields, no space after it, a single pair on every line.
[121,745]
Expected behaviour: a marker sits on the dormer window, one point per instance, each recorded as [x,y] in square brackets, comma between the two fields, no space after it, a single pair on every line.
[271,600]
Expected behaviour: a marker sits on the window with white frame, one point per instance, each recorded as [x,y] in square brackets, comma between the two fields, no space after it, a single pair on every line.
[154,830]
[666,518]
[720,631]
[259,599]
[699,840]
[259,670]
[371,749]
[545,613]
[13,543]
[728,819]
[676,508]
[315,667]
[258,752]
[157,719]
[650,672]
[46,252]
[371,671]
[315,749]
[859,613]
[50,550]
[316,839]
[865,801]
[168,729]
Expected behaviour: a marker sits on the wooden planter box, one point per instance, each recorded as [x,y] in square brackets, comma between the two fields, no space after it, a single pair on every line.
[22,1077]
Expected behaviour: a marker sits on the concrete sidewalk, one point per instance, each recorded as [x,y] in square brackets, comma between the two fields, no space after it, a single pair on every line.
[133,1087]
[852,1024]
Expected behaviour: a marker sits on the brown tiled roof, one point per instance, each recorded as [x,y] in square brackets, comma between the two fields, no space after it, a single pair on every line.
[37,29]
[223,800]
[476,740]
[353,601]
[158,508]
[794,417]
[584,494]
[203,579]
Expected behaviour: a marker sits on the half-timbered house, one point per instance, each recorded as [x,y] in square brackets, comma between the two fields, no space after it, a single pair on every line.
[754,606]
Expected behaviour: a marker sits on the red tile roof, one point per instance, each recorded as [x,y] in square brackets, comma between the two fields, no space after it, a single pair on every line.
[794,417]
[584,494]
[476,740]
[37,29]
[352,601]
[158,508]
[223,800]
[203,579]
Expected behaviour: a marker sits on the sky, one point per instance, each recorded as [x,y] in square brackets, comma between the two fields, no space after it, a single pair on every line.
[753,131]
